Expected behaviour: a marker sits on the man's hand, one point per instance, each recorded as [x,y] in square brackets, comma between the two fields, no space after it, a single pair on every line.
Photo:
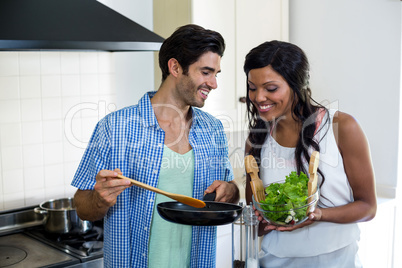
[93,204]
[108,187]
[225,191]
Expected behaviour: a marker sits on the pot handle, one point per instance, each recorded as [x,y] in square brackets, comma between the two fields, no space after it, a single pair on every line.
[40,211]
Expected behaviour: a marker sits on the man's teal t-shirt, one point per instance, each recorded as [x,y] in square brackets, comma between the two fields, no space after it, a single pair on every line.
[170,243]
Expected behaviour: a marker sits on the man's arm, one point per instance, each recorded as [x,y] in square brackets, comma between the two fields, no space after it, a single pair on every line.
[93,204]
[87,205]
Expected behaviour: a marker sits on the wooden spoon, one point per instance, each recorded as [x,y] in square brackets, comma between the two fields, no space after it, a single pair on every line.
[312,183]
[178,197]
[256,183]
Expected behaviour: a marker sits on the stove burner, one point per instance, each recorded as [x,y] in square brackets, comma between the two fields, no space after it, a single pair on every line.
[93,246]
[74,243]
[11,255]
[95,234]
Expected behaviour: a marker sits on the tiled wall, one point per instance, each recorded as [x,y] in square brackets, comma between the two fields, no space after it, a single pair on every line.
[49,105]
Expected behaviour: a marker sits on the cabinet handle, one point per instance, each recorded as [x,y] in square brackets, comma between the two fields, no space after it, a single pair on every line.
[243,99]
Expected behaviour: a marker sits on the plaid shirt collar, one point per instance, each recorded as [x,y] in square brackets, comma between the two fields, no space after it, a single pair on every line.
[148,115]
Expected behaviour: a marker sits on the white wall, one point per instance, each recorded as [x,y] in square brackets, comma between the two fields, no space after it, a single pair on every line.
[354,48]
[134,70]
[50,103]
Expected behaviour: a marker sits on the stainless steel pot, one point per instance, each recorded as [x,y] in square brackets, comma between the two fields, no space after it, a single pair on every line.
[61,217]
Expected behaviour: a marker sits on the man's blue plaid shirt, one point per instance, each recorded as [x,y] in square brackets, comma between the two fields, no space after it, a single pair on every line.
[130,139]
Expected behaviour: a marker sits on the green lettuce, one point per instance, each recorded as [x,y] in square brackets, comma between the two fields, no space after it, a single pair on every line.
[282,199]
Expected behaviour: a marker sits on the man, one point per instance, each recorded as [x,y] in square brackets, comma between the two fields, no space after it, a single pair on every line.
[166,142]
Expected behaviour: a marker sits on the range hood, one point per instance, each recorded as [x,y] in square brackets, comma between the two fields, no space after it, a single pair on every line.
[70,25]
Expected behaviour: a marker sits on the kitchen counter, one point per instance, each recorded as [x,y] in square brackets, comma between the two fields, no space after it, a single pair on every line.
[19,250]
[25,243]
[98,263]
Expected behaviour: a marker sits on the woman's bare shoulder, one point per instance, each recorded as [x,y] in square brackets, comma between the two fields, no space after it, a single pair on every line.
[345,121]
[347,130]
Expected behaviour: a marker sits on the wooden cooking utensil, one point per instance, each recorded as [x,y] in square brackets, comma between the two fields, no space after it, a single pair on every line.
[178,197]
[256,183]
[312,183]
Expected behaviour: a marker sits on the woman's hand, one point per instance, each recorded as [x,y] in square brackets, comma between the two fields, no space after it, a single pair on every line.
[312,217]
[262,226]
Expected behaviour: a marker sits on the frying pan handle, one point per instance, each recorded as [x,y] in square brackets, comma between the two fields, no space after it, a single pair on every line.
[209,197]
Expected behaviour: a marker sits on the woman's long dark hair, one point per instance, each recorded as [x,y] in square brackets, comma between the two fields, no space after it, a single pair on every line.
[291,63]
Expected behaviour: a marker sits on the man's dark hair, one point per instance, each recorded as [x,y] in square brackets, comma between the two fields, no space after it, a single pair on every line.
[187,44]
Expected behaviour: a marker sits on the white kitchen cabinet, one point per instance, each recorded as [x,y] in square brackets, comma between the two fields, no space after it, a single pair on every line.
[258,22]
[244,25]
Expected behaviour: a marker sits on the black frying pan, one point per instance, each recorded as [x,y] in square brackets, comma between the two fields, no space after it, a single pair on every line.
[214,213]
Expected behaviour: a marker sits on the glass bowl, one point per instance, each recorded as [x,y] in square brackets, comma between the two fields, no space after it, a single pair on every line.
[287,214]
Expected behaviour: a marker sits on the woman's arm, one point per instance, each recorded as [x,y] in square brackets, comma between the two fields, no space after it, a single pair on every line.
[355,151]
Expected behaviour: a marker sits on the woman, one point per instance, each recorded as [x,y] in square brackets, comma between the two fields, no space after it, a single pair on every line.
[286,125]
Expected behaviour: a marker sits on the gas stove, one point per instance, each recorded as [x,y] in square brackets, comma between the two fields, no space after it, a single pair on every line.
[25,243]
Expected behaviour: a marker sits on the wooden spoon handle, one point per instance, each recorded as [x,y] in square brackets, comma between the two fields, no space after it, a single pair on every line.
[314,161]
[313,166]
[143,185]
[251,167]
[256,184]
[178,197]
[312,183]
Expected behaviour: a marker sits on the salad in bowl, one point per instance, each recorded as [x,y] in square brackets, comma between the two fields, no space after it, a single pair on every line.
[287,202]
